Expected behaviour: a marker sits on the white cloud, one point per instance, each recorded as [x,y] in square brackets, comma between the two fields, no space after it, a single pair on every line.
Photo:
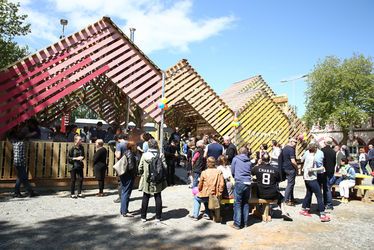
[159,24]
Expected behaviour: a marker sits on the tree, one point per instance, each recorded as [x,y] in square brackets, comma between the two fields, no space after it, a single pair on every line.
[340,92]
[12,24]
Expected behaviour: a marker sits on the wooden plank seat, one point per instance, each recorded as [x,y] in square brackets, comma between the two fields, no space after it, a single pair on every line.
[266,217]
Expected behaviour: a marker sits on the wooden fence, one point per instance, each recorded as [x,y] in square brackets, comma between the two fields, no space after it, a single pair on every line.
[47,163]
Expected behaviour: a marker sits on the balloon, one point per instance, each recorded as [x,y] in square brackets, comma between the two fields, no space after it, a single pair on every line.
[161,105]
[301,137]
[305,136]
[166,107]
[164,100]
[195,190]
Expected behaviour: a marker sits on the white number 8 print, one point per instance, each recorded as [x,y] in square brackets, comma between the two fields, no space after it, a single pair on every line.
[265,178]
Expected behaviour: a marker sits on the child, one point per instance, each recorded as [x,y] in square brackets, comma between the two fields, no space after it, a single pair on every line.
[348,181]
[228,191]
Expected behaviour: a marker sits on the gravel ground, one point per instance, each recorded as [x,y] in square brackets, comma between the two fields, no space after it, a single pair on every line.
[55,221]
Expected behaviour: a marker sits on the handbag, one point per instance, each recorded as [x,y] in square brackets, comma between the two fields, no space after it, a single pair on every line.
[213,202]
[121,166]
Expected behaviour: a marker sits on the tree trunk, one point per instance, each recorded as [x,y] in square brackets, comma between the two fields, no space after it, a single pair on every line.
[345,137]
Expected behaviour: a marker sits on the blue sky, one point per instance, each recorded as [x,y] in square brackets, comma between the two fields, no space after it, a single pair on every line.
[225,41]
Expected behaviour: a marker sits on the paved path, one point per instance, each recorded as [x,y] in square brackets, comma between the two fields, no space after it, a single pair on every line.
[55,221]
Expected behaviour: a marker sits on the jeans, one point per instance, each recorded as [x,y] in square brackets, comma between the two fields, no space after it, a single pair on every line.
[313,187]
[323,181]
[127,182]
[76,174]
[145,202]
[290,177]
[363,167]
[197,203]
[196,177]
[22,178]
[242,193]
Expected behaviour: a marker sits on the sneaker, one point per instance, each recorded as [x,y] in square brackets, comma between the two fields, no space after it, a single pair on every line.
[81,195]
[73,196]
[329,207]
[324,218]
[290,203]
[205,216]
[18,195]
[305,213]
[33,194]
[193,217]
[128,215]
[143,220]
[234,226]
[287,217]
[118,200]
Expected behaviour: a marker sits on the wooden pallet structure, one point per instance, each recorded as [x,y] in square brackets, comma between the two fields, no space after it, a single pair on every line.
[263,116]
[194,103]
[98,66]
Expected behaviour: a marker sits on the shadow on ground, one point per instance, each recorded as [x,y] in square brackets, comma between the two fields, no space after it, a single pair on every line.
[87,232]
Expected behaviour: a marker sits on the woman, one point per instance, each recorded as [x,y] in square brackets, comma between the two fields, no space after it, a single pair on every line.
[128,178]
[211,183]
[149,188]
[348,176]
[76,157]
[363,159]
[190,152]
[100,165]
[227,176]
[312,185]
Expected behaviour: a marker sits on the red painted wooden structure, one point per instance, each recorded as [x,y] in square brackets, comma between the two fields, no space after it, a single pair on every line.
[98,65]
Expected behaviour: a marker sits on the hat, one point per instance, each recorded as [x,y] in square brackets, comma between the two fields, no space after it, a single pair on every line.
[328,141]
[312,145]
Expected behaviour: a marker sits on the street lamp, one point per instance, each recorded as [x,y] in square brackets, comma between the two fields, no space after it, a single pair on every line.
[292,81]
[63,22]
[132,33]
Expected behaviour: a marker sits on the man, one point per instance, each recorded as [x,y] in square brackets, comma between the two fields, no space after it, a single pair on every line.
[214,149]
[19,161]
[329,162]
[231,150]
[339,156]
[274,154]
[241,171]
[198,162]
[268,178]
[290,169]
[176,136]
[371,159]
[121,148]
[171,156]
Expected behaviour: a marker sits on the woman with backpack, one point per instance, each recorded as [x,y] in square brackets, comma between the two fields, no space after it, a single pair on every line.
[153,169]
[128,178]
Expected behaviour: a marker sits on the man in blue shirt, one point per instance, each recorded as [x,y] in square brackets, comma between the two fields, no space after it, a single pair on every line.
[241,171]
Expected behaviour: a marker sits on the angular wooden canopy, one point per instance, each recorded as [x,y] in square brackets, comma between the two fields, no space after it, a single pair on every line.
[98,66]
[193,101]
[261,117]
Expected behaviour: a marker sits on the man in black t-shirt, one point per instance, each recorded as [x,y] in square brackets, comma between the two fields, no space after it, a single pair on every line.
[289,166]
[268,178]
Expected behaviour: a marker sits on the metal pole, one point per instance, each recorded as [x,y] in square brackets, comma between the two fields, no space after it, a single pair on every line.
[162,116]
[132,31]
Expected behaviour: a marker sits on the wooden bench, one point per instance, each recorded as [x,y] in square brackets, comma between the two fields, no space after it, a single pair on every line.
[266,217]
[362,191]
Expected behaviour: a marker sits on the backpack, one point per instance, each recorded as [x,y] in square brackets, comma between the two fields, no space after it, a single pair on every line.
[156,170]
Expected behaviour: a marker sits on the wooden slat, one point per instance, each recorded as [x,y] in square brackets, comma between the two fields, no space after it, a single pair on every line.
[63,160]
[48,160]
[7,160]
[90,162]
[40,167]
[55,162]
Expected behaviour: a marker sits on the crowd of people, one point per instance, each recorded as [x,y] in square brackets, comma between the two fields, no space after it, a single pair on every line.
[216,169]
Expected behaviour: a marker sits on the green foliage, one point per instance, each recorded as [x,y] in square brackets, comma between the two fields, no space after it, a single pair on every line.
[12,24]
[340,92]
[82,112]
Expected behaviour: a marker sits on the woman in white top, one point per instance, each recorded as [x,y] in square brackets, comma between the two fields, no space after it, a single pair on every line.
[227,176]
[312,186]
[363,159]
